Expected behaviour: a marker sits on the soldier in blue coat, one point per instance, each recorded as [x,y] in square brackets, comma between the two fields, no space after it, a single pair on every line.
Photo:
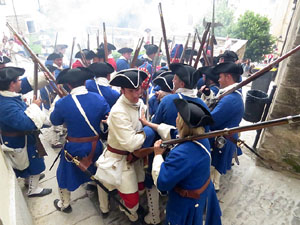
[82,113]
[184,81]
[185,173]
[227,113]
[18,122]
[123,61]
[100,84]
[151,51]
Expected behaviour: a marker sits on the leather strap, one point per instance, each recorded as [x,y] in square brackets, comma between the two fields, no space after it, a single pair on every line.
[195,194]
[15,133]
[116,151]
[85,162]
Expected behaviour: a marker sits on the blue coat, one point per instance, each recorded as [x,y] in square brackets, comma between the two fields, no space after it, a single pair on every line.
[68,175]
[110,95]
[188,166]
[167,112]
[148,65]
[13,119]
[122,64]
[228,113]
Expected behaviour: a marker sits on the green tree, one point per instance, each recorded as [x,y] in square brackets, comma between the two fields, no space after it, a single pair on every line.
[223,14]
[256,29]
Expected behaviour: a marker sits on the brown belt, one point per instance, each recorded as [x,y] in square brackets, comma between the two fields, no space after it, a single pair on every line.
[117,151]
[195,194]
[15,133]
[85,162]
[131,158]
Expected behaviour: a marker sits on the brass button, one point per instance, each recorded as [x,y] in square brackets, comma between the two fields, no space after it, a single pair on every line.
[197,205]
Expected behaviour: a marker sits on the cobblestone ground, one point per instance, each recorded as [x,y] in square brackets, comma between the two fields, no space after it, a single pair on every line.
[249,195]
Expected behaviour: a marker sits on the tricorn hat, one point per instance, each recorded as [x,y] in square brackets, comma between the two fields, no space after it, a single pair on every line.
[228,67]
[189,51]
[129,78]
[54,56]
[100,53]
[10,73]
[193,114]
[158,72]
[125,50]
[229,56]
[101,69]
[85,52]
[208,71]
[110,46]
[4,59]
[151,49]
[74,75]
[186,73]
[165,81]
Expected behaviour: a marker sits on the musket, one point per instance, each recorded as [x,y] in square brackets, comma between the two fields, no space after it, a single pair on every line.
[88,41]
[72,49]
[136,53]
[212,38]
[35,81]
[193,47]
[105,43]
[152,40]
[164,33]
[92,177]
[55,43]
[185,47]
[85,63]
[204,53]
[156,58]
[60,91]
[259,73]
[202,44]
[226,132]
[98,41]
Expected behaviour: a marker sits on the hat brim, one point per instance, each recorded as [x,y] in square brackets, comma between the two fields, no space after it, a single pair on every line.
[129,78]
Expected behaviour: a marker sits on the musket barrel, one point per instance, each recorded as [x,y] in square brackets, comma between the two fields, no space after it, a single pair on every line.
[185,47]
[202,44]
[60,92]
[71,57]
[105,43]
[260,72]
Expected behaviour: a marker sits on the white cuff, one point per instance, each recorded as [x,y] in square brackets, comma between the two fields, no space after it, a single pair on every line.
[164,131]
[34,112]
[157,161]
[42,82]
[57,97]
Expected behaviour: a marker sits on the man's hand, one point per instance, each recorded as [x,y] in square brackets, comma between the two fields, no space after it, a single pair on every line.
[157,149]
[205,90]
[37,101]
[143,119]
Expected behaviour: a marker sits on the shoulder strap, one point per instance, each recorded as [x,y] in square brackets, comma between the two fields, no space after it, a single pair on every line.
[99,91]
[83,114]
[198,143]
[180,96]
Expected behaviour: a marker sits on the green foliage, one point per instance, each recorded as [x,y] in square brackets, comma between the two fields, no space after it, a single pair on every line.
[256,29]
[223,14]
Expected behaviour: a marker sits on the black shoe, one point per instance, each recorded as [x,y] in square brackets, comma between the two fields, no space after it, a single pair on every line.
[105,215]
[66,210]
[91,187]
[44,192]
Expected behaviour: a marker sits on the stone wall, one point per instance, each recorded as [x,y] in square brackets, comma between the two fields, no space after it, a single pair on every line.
[281,145]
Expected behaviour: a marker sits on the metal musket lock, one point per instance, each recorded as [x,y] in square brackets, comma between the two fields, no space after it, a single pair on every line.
[220,141]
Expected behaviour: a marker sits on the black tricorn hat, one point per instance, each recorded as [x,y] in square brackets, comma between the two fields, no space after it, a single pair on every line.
[101,69]
[193,114]
[10,73]
[186,73]
[229,56]
[208,71]
[150,49]
[129,78]
[54,56]
[74,75]
[4,59]
[189,51]
[160,71]
[85,52]
[90,55]
[110,46]
[51,68]
[228,67]
[165,81]
[125,50]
